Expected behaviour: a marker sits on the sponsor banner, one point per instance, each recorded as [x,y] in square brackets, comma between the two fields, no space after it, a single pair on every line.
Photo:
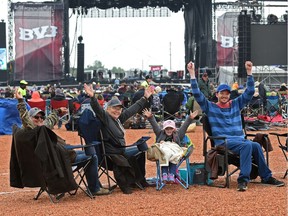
[38,41]
[227,39]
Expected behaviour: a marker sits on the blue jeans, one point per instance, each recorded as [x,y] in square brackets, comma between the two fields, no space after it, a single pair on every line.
[91,171]
[169,169]
[246,149]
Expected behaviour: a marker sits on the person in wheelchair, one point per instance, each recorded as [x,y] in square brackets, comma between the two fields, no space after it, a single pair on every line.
[128,161]
[36,117]
[225,120]
[170,137]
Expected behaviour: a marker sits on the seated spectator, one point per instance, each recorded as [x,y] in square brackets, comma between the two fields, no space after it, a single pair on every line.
[114,139]
[169,136]
[234,91]
[36,117]
[8,93]
[225,120]
[100,97]
[59,95]
[35,97]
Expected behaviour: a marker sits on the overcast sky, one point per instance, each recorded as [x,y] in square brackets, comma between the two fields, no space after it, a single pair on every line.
[131,42]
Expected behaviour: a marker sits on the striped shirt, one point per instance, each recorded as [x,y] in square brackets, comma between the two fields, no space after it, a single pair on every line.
[225,121]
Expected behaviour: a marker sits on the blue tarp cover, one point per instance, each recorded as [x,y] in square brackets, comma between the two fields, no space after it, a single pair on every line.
[9,115]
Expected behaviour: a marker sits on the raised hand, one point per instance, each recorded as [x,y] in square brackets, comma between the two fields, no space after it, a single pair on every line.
[194,114]
[147,113]
[248,66]
[88,90]
[148,92]
[191,69]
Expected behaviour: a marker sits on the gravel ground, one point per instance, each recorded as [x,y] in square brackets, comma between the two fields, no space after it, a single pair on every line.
[171,200]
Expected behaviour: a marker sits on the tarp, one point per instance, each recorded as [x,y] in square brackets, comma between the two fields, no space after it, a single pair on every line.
[9,115]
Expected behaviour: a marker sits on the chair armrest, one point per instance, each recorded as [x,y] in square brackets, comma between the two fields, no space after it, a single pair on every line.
[217,137]
[279,134]
[71,147]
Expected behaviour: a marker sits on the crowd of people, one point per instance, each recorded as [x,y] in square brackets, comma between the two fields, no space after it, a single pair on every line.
[114,105]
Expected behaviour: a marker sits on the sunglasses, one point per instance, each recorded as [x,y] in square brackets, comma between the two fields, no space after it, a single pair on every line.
[41,117]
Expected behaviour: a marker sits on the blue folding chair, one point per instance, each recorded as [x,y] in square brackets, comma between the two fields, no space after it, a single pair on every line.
[182,180]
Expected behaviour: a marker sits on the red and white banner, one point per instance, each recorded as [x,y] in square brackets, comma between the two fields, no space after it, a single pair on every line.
[38,41]
[227,39]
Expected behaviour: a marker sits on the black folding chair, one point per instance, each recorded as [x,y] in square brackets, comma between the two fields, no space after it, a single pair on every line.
[39,160]
[223,157]
[89,129]
[283,146]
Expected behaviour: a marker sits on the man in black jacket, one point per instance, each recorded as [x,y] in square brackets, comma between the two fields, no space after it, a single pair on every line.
[127,168]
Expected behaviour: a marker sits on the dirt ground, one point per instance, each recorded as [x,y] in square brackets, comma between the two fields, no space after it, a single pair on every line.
[171,200]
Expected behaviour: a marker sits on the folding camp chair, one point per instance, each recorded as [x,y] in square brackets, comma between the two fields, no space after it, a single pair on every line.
[183,164]
[39,160]
[283,146]
[171,108]
[39,104]
[273,106]
[224,157]
[89,129]
[55,104]
[79,108]
[254,107]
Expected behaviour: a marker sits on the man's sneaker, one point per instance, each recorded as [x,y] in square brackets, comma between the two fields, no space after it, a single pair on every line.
[164,177]
[101,192]
[273,181]
[171,177]
[242,186]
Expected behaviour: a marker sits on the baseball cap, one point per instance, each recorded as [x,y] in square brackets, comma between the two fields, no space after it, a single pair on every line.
[223,87]
[34,111]
[114,102]
[169,123]
[23,82]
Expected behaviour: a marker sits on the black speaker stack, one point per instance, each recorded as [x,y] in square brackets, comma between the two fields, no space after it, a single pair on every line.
[80,62]
[244,42]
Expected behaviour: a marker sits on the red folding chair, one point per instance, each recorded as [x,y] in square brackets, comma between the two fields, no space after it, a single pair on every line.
[55,104]
[39,104]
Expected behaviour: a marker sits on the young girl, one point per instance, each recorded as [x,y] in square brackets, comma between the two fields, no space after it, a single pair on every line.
[169,134]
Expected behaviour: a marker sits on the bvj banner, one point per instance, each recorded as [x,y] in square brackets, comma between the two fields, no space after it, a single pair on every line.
[227,39]
[38,41]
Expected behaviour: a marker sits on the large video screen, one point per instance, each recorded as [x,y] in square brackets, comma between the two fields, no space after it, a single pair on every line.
[3,59]
[269,44]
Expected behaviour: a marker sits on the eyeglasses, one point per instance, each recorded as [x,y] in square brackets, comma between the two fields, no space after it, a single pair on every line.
[41,117]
